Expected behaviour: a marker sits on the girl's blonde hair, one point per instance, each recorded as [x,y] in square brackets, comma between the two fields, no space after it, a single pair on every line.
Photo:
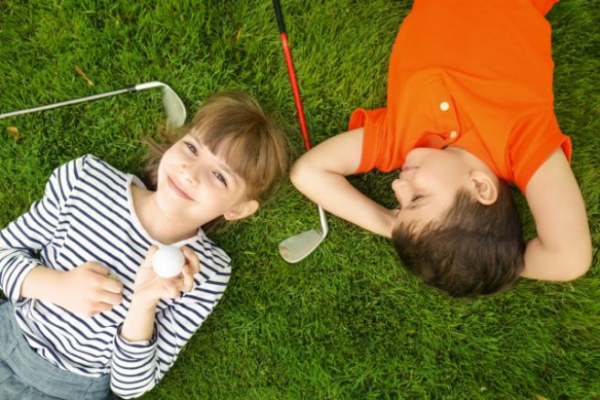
[233,125]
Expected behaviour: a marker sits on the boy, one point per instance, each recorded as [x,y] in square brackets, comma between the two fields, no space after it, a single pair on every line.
[469,109]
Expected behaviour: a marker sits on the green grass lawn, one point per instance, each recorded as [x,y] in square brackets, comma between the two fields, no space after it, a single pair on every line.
[348,322]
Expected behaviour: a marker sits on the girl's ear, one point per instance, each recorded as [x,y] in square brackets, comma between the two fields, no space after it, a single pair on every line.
[241,210]
[485,187]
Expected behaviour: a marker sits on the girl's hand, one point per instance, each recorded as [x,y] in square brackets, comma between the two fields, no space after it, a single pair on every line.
[149,288]
[191,268]
[87,290]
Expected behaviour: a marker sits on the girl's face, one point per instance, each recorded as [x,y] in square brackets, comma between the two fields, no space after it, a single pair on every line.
[197,185]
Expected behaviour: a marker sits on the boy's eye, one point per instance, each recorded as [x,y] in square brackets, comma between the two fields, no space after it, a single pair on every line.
[221,178]
[191,148]
[414,199]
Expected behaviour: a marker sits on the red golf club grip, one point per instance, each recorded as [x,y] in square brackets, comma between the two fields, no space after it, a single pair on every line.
[295,90]
[292,72]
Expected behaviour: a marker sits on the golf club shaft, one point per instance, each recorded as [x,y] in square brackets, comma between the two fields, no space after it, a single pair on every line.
[68,102]
[292,73]
[294,82]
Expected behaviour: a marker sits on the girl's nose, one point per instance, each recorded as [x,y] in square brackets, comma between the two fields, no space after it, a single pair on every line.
[189,175]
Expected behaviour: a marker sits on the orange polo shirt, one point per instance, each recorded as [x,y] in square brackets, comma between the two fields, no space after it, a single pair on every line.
[476,74]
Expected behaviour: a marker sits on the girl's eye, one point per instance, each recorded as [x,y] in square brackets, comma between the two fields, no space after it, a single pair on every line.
[416,197]
[191,148]
[221,178]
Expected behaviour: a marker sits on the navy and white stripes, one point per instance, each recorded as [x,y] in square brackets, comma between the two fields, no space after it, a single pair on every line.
[86,214]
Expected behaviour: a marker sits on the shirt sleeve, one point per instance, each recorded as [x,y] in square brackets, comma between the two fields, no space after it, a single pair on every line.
[532,141]
[374,124]
[23,239]
[136,367]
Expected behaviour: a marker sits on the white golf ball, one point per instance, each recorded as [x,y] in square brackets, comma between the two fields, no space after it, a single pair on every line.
[168,261]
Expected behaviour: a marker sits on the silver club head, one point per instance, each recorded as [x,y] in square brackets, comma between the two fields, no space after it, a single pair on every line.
[174,107]
[298,247]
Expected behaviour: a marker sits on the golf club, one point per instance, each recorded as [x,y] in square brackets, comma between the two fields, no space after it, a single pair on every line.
[174,107]
[298,247]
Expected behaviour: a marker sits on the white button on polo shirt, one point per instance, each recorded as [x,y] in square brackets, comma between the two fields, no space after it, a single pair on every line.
[453,134]
[444,106]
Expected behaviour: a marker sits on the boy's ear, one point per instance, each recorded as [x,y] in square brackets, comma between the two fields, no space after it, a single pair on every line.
[485,187]
[241,210]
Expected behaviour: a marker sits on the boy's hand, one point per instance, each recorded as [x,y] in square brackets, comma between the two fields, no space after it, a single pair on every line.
[87,290]
[320,175]
[149,288]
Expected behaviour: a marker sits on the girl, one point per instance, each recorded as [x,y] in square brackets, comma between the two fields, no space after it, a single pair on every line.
[86,312]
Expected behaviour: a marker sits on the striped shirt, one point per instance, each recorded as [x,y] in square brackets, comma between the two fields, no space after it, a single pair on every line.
[87,214]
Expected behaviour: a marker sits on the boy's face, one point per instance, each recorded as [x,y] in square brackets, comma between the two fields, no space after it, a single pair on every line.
[198,186]
[428,184]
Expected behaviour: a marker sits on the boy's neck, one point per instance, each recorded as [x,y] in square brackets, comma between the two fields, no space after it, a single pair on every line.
[159,226]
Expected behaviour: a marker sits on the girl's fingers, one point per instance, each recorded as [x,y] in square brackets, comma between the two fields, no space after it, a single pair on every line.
[173,290]
[112,299]
[148,260]
[101,307]
[192,259]
[185,281]
[97,267]
[110,284]
[172,287]
[188,278]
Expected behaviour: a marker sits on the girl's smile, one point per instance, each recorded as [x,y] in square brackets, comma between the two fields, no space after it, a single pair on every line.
[177,189]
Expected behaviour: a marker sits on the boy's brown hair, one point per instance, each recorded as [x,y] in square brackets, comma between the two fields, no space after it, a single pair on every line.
[475,250]
[234,125]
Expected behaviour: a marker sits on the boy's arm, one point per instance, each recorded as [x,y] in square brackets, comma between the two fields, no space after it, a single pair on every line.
[562,250]
[320,174]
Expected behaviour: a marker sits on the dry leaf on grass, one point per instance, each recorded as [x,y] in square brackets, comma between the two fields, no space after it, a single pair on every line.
[14,132]
[538,397]
[80,72]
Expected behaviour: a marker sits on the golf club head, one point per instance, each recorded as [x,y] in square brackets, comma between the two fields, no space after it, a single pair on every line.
[174,108]
[297,248]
